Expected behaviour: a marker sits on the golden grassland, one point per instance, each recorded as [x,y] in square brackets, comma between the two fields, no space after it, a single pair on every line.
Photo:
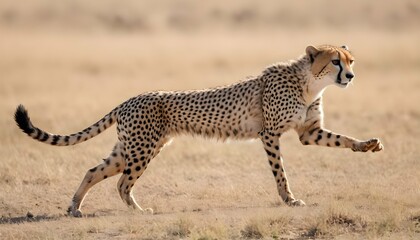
[70,73]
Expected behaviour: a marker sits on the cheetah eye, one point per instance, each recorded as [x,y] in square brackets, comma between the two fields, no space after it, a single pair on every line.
[351,61]
[335,62]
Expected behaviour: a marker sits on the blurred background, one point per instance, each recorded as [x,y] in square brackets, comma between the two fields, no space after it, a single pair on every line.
[129,47]
[154,16]
[71,61]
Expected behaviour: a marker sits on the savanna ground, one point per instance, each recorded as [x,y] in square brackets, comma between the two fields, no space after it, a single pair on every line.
[70,62]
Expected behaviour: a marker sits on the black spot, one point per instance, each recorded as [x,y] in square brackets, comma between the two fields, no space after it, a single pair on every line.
[306,143]
[44,137]
[235,132]
[270,153]
[277,166]
[138,168]
[56,138]
[337,143]
[38,133]
[275,173]
[92,169]
[128,171]
[329,135]
[105,176]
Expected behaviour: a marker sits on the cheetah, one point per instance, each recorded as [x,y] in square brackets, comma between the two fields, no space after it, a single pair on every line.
[284,96]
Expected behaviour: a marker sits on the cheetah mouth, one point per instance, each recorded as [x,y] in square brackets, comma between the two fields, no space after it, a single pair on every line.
[342,84]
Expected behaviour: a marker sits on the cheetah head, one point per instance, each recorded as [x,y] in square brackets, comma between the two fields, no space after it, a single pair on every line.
[331,65]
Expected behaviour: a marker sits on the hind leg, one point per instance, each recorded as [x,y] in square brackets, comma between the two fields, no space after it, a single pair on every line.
[111,166]
[134,169]
[137,162]
[125,185]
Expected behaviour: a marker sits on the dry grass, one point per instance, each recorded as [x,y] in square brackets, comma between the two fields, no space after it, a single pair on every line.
[70,62]
[266,227]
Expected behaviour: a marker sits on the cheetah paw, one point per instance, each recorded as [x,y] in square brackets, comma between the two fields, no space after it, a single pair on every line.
[74,212]
[373,145]
[296,203]
[148,211]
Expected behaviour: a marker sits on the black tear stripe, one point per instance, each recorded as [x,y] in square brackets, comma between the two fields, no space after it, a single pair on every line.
[341,68]
[323,69]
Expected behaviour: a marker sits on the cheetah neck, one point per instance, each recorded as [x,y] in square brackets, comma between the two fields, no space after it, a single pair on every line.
[312,87]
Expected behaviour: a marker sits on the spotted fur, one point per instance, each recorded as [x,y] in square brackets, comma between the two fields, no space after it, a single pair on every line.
[284,96]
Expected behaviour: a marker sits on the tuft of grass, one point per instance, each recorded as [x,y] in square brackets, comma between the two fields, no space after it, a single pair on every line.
[415,220]
[210,232]
[253,230]
[335,222]
[388,224]
[263,227]
[181,228]
[316,229]
[352,223]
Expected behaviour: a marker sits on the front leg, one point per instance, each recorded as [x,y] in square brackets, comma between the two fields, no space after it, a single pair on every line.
[272,147]
[323,137]
[313,133]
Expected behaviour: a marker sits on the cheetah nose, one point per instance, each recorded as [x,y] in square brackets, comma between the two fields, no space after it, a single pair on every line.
[349,76]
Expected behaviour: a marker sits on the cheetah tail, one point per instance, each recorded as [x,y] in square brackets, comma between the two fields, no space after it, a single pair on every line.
[24,122]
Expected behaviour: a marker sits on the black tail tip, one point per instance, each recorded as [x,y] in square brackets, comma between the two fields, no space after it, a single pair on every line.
[22,120]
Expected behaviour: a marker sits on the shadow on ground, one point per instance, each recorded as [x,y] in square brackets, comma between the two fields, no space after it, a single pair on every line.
[29,217]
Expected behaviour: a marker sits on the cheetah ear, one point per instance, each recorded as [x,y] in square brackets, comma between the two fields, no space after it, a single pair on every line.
[312,52]
[345,47]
